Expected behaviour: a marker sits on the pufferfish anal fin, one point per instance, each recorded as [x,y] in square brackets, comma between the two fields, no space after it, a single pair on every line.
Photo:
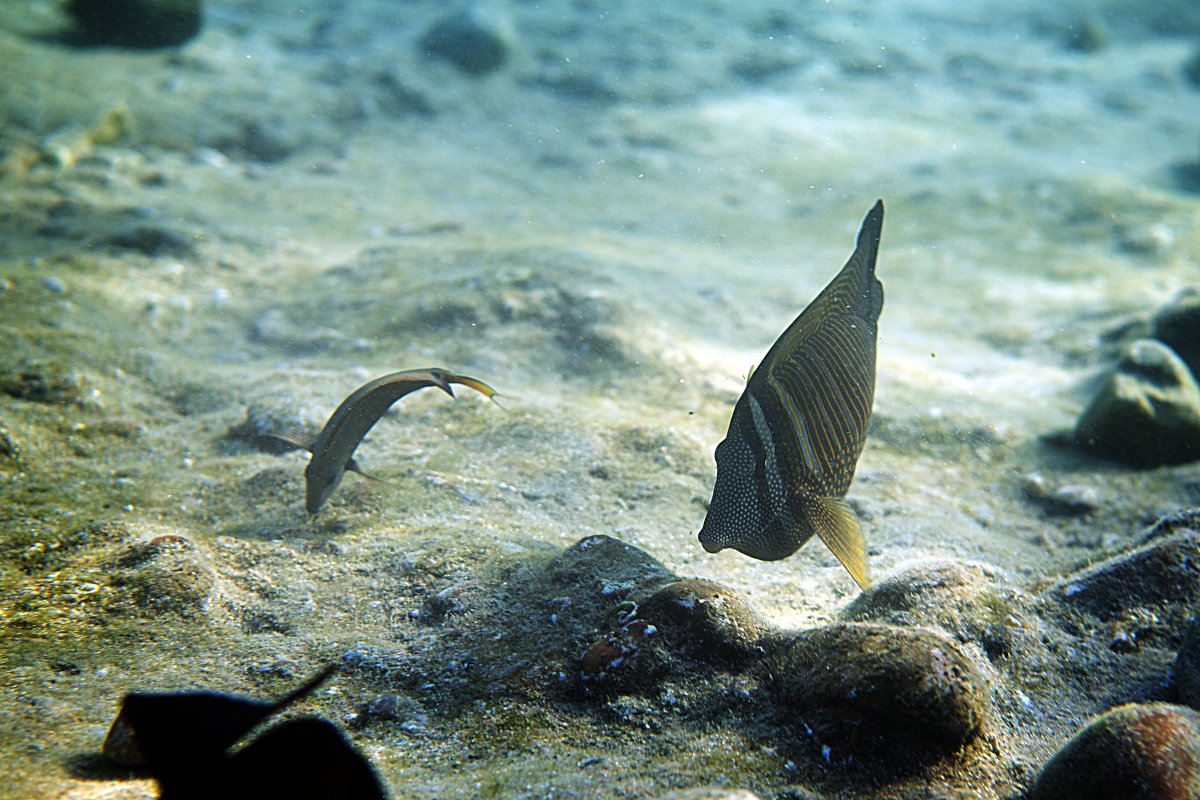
[837,525]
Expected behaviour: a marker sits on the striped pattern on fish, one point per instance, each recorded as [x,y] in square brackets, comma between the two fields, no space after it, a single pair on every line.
[799,427]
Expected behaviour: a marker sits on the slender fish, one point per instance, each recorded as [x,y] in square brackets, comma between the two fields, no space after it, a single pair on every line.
[799,427]
[333,449]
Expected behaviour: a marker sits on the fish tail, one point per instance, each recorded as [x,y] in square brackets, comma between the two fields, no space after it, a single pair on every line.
[308,687]
[838,527]
[479,386]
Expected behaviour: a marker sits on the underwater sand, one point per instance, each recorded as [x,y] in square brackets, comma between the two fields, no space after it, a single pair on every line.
[274,226]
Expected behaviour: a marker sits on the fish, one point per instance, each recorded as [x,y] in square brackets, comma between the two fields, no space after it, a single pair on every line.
[799,427]
[184,740]
[333,448]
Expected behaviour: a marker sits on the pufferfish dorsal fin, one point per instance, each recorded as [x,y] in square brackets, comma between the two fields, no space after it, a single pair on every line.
[821,371]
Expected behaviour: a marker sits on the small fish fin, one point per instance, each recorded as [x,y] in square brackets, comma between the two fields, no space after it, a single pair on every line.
[838,527]
[472,383]
[352,466]
[297,441]
[307,688]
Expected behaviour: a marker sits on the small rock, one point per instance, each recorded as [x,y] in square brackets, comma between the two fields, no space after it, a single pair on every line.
[624,659]
[40,382]
[1178,327]
[135,23]
[1191,68]
[1147,413]
[604,566]
[152,241]
[1086,36]
[719,793]
[706,620]
[165,575]
[469,40]
[9,449]
[971,601]
[1155,586]
[1065,501]
[1187,667]
[906,682]
[1133,752]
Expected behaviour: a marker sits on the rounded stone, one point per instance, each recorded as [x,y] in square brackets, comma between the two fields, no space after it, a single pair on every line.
[1177,326]
[1147,413]
[706,620]
[1132,752]
[469,41]
[904,682]
[1157,584]
[135,23]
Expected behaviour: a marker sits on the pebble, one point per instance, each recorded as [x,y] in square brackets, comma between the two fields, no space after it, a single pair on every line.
[721,793]
[706,620]
[1064,501]
[152,241]
[41,382]
[1147,412]
[908,683]
[1133,752]
[469,40]
[604,566]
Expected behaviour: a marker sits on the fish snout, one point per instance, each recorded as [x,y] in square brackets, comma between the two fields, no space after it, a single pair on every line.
[710,542]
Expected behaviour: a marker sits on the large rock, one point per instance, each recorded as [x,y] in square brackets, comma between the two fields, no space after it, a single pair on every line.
[1178,327]
[1133,752]
[909,684]
[135,23]
[473,40]
[1144,595]
[1147,413]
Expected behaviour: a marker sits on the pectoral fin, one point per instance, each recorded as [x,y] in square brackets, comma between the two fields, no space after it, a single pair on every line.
[299,442]
[838,527]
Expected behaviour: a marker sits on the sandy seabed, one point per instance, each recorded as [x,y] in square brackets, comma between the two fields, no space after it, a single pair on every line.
[610,229]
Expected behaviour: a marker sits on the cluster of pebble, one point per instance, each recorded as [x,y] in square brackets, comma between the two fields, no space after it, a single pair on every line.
[945,662]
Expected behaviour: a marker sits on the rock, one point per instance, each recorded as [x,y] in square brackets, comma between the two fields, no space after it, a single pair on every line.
[165,575]
[906,683]
[718,793]
[1086,35]
[1178,327]
[1187,667]
[603,566]
[135,23]
[969,600]
[1191,68]
[153,241]
[1065,501]
[41,382]
[470,40]
[625,659]
[1145,594]
[1133,752]
[1147,413]
[705,620]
